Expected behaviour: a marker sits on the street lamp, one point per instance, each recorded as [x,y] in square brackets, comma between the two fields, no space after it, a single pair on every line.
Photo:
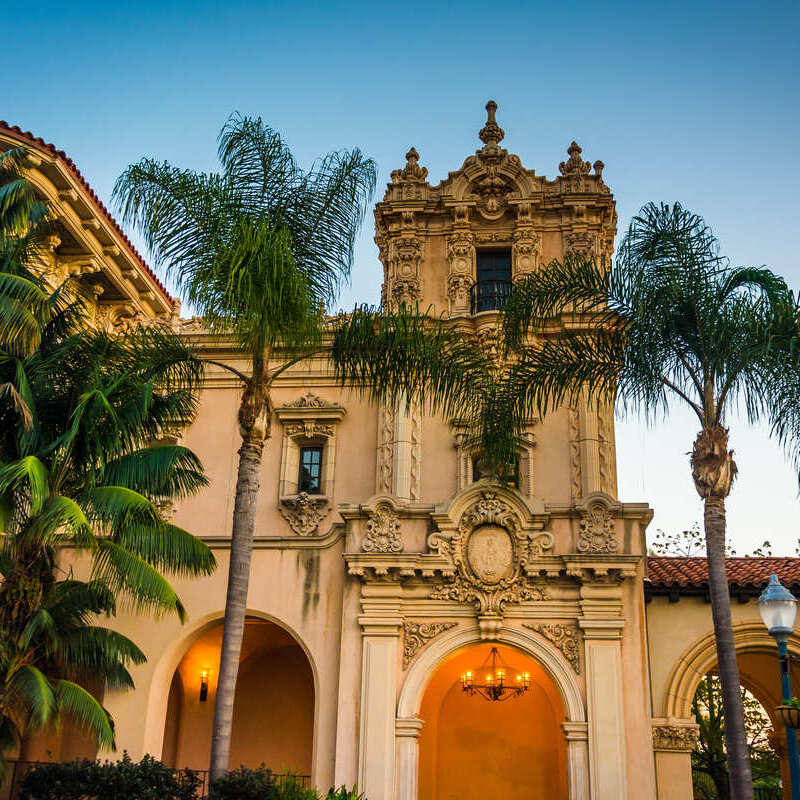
[778,608]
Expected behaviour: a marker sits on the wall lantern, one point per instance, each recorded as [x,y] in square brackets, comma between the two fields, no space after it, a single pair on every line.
[495,680]
[204,686]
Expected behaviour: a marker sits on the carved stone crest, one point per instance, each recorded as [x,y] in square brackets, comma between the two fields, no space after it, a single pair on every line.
[564,637]
[417,634]
[675,737]
[383,532]
[310,400]
[489,550]
[304,512]
[596,530]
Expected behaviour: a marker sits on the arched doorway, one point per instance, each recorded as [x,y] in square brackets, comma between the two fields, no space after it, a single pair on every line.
[471,748]
[273,715]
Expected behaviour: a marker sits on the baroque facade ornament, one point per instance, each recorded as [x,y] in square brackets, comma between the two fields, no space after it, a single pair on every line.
[575,165]
[682,738]
[580,244]
[309,428]
[383,531]
[564,637]
[304,512]
[596,530]
[489,551]
[417,634]
[526,248]
[310,400]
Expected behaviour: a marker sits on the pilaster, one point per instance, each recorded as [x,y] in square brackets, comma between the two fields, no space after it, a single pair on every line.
[381,623]
[407,730]
[602,623]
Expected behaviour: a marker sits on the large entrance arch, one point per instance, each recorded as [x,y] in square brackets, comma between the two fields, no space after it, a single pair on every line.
[273,717]
[472,748]
[421,692]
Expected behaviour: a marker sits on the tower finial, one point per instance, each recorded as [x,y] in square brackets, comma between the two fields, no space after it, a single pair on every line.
[491,134]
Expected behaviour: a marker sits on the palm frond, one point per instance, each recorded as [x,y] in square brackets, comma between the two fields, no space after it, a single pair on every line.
[75,702]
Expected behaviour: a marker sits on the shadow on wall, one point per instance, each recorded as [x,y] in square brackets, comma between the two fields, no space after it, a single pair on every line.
[273,716]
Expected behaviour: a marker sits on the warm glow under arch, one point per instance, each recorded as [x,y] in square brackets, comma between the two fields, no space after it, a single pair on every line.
[408,723]
[162,687]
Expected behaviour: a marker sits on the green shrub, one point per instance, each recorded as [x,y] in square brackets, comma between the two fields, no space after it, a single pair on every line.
[344,794]
[121,780]
[259,784]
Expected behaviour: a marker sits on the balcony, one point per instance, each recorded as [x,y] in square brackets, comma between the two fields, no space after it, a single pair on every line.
[489,296]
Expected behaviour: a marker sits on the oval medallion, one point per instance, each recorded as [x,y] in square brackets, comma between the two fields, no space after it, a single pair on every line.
[490,553]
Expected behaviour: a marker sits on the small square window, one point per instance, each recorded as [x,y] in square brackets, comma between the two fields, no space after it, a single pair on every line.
[310,478]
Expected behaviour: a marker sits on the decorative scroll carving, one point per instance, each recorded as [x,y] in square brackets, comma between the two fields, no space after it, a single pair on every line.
[580,244]
[383,531]
[675,737]
[458,287]
[596,530]
[575,165]
[118,317]
[310,400]
[606,450]
[385,465]
[405,255]
[526,248]
[565,638]
[575,453]
[417,634]
[415,465]
[310,428]
[490,551]
[304,512]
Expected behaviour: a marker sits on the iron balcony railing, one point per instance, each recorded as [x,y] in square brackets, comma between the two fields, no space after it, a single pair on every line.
[489,296]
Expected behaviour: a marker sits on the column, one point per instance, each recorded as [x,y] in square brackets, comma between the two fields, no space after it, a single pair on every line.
[380,642]
[577,736]
[607,771]
[407,730]
[673,742]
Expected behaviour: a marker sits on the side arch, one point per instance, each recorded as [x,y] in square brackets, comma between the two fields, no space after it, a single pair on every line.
[156,712]
[701,656]
[432,657]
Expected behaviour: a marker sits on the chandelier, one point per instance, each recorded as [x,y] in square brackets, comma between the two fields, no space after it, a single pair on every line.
[495,680]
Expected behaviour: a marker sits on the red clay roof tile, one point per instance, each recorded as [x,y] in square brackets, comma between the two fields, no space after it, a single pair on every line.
[41,144]
[682,572]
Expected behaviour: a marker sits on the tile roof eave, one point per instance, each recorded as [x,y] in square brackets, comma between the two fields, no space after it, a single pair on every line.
[40,144]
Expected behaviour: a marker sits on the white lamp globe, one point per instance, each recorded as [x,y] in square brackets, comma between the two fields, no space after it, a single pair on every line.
[778,607]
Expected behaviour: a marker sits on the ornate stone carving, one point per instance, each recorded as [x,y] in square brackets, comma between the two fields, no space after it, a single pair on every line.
[564,637]
[606,450]
[580,244]
[310,400]
[411,179]
[417,634]
[385,463]
[461,252]
[383,531]
[304,512]
[489,551]
[458,287]
[574,165]
[405,255]
[310,428]
[491,133]
[118,317]
[596,530]
[191,325]
[675,737]
[526,248]
[490,340]
[575,453]
[415,466]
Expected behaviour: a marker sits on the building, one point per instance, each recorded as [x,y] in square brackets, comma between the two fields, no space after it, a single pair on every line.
[385,569]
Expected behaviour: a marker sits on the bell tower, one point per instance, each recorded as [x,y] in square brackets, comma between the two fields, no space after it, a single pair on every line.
[459,246]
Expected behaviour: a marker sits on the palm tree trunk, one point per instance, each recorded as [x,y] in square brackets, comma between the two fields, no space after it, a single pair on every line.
[713,472]
[244,520]
[736,746]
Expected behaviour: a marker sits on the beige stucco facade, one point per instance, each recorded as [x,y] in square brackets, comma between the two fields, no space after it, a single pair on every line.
[367,598]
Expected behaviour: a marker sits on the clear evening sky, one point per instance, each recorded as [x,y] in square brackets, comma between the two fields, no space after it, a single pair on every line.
[696,102]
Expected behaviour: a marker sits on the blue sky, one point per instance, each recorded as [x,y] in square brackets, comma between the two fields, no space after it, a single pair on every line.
[695,102]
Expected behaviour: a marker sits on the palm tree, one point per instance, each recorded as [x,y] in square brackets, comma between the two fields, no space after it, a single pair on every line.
[80,411]
[258,249]
[669,321]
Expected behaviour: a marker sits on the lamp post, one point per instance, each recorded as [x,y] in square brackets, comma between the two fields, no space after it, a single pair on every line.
[778,608]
